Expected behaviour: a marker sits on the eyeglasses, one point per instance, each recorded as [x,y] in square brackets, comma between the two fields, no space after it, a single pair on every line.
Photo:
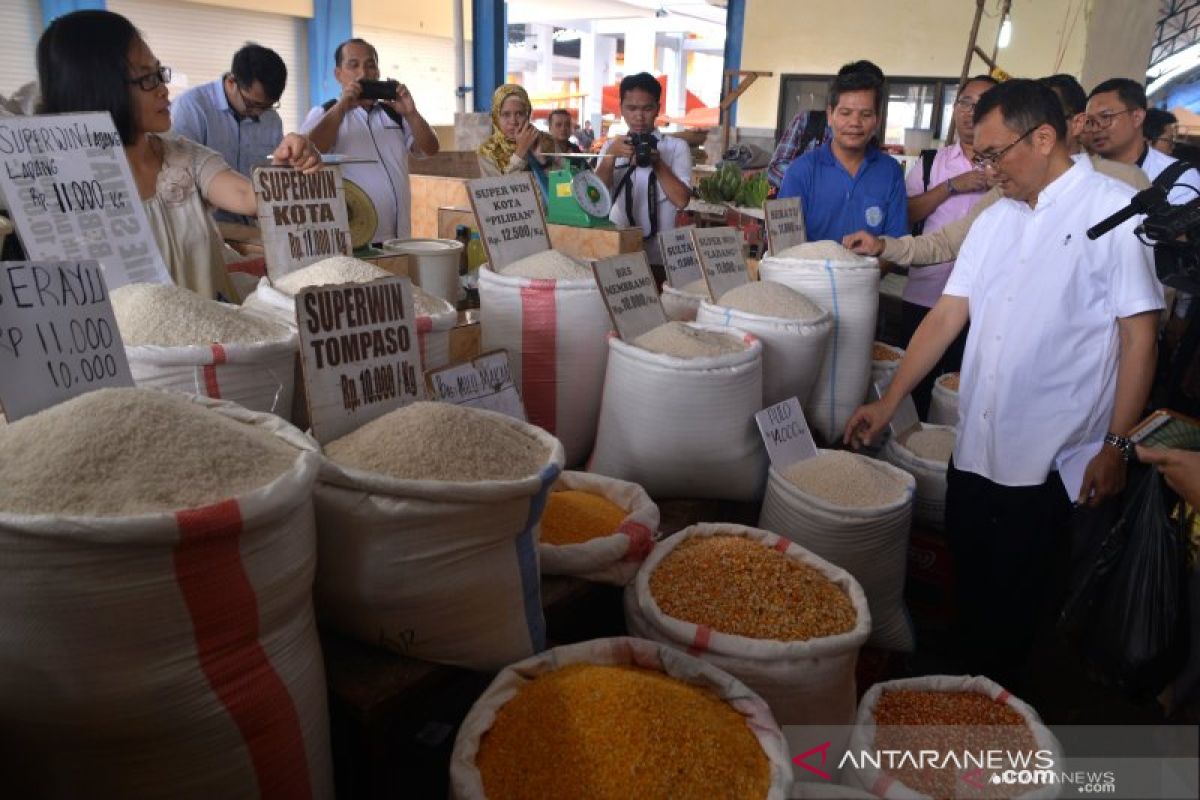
[990,160]
[152,80]
[1101,122]
[253,106]
[966,105]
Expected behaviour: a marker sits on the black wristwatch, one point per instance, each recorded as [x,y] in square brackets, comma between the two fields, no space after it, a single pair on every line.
[1124,445]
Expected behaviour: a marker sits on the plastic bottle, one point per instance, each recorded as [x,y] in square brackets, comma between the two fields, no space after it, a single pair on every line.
[476,255]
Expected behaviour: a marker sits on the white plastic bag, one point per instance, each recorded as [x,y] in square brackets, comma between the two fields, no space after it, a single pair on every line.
[466,783]
[608,559]
[943,403]
[680,306]
[884,369]
[805,683]
[683,427]
[793,351]
[869,543]
[850,292]
[167,654]
[443,571]
[554,332]
[929,502]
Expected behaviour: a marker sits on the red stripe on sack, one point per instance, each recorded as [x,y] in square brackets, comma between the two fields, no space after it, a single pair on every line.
[539,345]
[749,339]
[881,785]
[640,540]
[700,643]
[1003,696]
[224,613]
[782,544]
[424,326]
[211,386]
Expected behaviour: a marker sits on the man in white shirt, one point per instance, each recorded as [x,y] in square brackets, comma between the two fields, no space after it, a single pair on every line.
[1057,368]
[646,195]
[383,131]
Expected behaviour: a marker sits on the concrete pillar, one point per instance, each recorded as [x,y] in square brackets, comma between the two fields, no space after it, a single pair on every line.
[677,81]
[597,55]
[639,49]
[543,40]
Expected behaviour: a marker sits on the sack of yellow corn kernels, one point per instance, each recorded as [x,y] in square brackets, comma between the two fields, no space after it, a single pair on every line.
[618,718]
[596,528]
[885,360]
[959,714]
[783,621]
[943,402]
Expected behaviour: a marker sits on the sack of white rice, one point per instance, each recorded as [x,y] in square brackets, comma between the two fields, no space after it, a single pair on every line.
[177,340]
[682,425]
[597,528]
[847,286]
[793,330]
[427,530]
[925,454]
[554,331]
[156,563]
[780,619]
[854,512]
[683,304]
[885,360]
[943,404]
[618,718]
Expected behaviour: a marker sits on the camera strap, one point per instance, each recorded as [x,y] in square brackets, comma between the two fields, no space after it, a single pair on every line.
[626,184]
[1166,179]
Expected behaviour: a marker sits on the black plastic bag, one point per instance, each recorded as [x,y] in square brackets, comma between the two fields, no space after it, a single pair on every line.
[1130,611]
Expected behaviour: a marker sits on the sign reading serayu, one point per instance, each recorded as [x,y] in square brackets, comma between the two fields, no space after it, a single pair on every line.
[785,223]
[627,286]
[359,353]
[786,434]
[302,216]
[68,187]
[58,338]
[484,383]
[679,257]
[721,256]
[509,212]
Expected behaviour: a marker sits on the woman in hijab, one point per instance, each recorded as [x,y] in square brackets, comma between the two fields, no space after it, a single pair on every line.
[515,143]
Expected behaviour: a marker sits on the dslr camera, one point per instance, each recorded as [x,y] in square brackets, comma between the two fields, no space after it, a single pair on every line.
[644,146]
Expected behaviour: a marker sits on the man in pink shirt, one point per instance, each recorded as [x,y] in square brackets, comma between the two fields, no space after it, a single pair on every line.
[953,187]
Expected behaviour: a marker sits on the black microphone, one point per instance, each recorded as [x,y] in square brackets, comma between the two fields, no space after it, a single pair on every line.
[1140,203]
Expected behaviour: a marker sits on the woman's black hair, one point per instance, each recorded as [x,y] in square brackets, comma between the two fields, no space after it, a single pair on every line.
[83,65]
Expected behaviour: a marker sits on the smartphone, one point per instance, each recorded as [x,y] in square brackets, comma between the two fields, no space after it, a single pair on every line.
[379,90]
[1166,428]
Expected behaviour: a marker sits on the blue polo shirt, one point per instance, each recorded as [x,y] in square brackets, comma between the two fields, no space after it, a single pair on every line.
[836,203]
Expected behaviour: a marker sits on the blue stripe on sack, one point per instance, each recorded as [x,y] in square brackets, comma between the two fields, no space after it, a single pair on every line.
[728,317]
[527,564]
[833,367]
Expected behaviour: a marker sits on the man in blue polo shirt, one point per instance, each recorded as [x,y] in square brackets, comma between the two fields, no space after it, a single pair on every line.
[848,184]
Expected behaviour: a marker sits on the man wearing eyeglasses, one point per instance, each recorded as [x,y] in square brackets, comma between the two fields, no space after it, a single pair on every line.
[1057,368]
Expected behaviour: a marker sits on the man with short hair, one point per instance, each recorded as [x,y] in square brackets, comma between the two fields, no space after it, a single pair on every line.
[585,135]
[384,131]
[1057,369]
[1159,130]
[649,196]
[559,124]
[848,184]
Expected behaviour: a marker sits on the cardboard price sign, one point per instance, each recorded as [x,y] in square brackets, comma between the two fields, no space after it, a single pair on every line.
[679,257]
[627,286]
[509,212]
[786,434]
[483,383]
[303,217]
[721,256]
[785,223]
[359,353]
[58,337]
[67,184]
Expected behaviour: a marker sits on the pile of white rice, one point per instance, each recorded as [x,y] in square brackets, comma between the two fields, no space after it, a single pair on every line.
[170,316]
[344,269]
[681,340]
[549,265]
[826,250]
[936,444]
[771,299]
[845,479]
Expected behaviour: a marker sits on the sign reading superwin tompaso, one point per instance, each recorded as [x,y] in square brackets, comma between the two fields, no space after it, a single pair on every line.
[302,216]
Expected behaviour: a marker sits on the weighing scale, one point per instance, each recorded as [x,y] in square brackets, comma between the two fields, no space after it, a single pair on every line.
[577,197]
[363,219]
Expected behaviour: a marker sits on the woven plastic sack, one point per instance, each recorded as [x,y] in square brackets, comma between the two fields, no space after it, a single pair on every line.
[607,559]
[683,427]
[167,654]
[884,369]
[438,570]
[805,683]
[793,351]
[943,403]
[554,334]
[680,306]
[467,784]
[850,292]
[869,543]
[929,502]
[881,784]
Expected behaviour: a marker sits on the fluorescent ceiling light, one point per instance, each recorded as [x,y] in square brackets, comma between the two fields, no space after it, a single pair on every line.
[1005,33]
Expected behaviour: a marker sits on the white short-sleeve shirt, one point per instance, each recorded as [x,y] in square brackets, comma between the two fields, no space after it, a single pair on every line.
[1040,367]
[678,158]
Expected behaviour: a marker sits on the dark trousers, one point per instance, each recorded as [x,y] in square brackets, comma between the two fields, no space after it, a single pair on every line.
[911,315]
[1010,547]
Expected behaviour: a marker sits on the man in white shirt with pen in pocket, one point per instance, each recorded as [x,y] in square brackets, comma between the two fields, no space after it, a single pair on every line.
[1057,368]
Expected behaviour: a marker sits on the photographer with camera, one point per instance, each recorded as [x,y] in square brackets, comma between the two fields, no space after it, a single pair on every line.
[649,175]
[376,120]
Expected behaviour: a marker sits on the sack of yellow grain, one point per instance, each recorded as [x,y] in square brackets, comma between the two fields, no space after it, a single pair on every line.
[597,528]
[943,403]
[774,615]
[619,718]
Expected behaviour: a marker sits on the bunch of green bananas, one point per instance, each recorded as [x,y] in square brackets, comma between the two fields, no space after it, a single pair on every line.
[753,192]
[722,186]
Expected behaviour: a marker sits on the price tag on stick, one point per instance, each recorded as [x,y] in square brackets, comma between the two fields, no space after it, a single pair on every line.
[679,257]
[58,337]
[509,212]
[303,217]
[359,353]
[785,223]
[721,257]
[627,286]
[68,187]
[786,434]
[484,383]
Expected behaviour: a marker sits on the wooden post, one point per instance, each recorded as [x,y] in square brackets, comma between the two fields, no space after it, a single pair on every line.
[966,70]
